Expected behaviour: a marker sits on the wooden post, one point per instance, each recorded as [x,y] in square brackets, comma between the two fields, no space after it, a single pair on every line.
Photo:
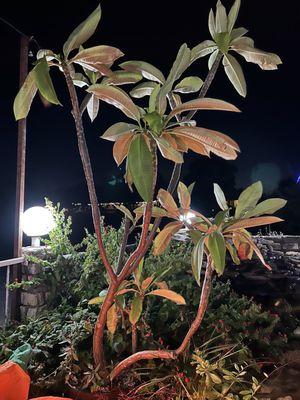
[15,271]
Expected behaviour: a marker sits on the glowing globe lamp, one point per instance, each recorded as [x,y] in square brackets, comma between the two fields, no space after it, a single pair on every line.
[37,222]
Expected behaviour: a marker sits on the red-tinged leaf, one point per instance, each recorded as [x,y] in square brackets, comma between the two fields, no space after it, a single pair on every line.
[168,294]
[255,249]
[184,196]
[168,151]
[117,130]
[162,285]
[171,140]
[116,97]
[124,291]
[147,282]
[97,56]
[167,201]
[194,145]
[203,104]
[156,211]
[112,319]
[244,252]
[147,70]
[253,222]
[164,237]
[121,147]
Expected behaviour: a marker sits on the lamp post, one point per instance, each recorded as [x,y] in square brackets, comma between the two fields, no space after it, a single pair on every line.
[37,222]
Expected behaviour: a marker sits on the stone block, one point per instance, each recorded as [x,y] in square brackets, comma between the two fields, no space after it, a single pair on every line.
[32,299]
[34,312]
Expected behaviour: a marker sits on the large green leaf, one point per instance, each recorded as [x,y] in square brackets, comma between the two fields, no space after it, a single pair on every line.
[136,309]
[122,78]
[143,89]
[220,197]
[233,14]
[269,206]
[83,32]
[203,49]
[191,84]
[248,199]
[147,70]
[235,74]
[117,130]
[43,81]
[221,18]
[140,167]
[217,249]
[117,97]
[197,259]
[212,24]
[24,97]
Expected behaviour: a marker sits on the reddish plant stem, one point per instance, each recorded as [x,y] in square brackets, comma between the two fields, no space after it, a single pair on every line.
[134,339]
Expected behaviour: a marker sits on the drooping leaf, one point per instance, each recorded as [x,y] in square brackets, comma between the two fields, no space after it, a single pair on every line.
[233,14]
[94,58]
[203,49]
[83,32]
[220,197]
[248,199]
[117,130]
[191,84]
[156,211]
[164,237]
[168,151]
[197,259]
[217,249]
[233,253]
[136,309]
[147,282]
[122,78]
[168,294]
[253,222]
[255,248]
[168,203]
[124,210]
[140,166]
[235,74]
[266,61]
[24,97]
[203,104]
[43,81]
[212,59]
[184,196]
[237,33]
[143,89]
[116,97]
[221,18]
[93,107]
[147,70]
[80,80]
[269,206]
[112,319]
[121,147]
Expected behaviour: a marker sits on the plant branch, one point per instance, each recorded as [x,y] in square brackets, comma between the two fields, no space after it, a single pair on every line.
[123,245]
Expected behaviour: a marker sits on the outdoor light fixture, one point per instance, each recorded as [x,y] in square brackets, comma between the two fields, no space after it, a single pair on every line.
[187,217]
[37,222]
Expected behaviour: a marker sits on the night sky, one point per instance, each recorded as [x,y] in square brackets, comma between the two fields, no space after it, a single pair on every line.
[267,130]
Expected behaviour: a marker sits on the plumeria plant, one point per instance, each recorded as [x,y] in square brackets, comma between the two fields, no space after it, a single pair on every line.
[165,127]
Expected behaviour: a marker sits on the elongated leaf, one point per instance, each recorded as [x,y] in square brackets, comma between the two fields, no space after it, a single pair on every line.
[220,197]
[254,248]
[217,249]
[233,253]
[269,206]
[116,97]
[235,74]
[248,199]
[24,97]
[83,32]
[140,166]
[147,70]
[93,107]
[117,130]
[212,24]
[153,99]
[168,294]
[95,58]
[203,49]
[266,61]
[167,201]
[43,81]
[122,78]
[121,147]
[197,259]
[203,104]
[147,282]
[237,33]
[191,84]
[168,151]
[156,211]
[112,319]
[164,237]
[221,18]
[97,300]
[136,310]
[253,222]
[233,14]
[212,59]
[184,196]
[124,210]
[143,89]
[243,41]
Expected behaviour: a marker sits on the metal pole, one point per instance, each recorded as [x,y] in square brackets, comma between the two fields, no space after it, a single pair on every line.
[15,272]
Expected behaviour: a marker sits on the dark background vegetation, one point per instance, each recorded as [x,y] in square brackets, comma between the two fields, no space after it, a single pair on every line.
[267,130]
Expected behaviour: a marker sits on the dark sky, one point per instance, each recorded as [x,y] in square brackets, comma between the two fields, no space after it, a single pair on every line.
[267,130]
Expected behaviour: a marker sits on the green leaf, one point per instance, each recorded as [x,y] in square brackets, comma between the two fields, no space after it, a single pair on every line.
[153,98]
[168,151]
[212,24]
[220,197]
[203,49]
[223,41]
[83,32]
[117,130]
[191,188]
[140,167]
[191,84]
[197,259]
[233,14]
[136,309]
[154,121]
[212,59]
[221,18]
[122,78]
[237,33]
[143,89]
[269,206]
[217,248]
[220,217]
[125,211]
[235,74]
[24,97]
[248,199]
[43,81]
[147,70]
[233,253]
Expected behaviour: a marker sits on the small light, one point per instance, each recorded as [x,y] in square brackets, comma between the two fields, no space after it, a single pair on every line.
[37,222]
[187,217]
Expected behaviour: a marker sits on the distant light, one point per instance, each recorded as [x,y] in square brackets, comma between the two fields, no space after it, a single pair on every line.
[37,222]
[187,217]
[298,180]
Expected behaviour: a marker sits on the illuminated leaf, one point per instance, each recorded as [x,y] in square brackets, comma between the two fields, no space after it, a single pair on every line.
[117,130]
[112,319]
[220,197]
[147,70]
[233,253]
[203,49]
[191,84]
[147,282]
[122,78]
[167,201]
[184,196]
[24,97]
[95,57]
[217,249]
[269,206]
[136,309]
[235,74]
[197,258]
[168,294]
[156,211]
[212,24]
[233,14]
[237,33]
[221,18]
[248,199]
[43,81]
[266,61]
[121,147]
[253,222]
[124,210]
[168,151]
[93,107]
[164,237]
[212,59]
[143,89]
